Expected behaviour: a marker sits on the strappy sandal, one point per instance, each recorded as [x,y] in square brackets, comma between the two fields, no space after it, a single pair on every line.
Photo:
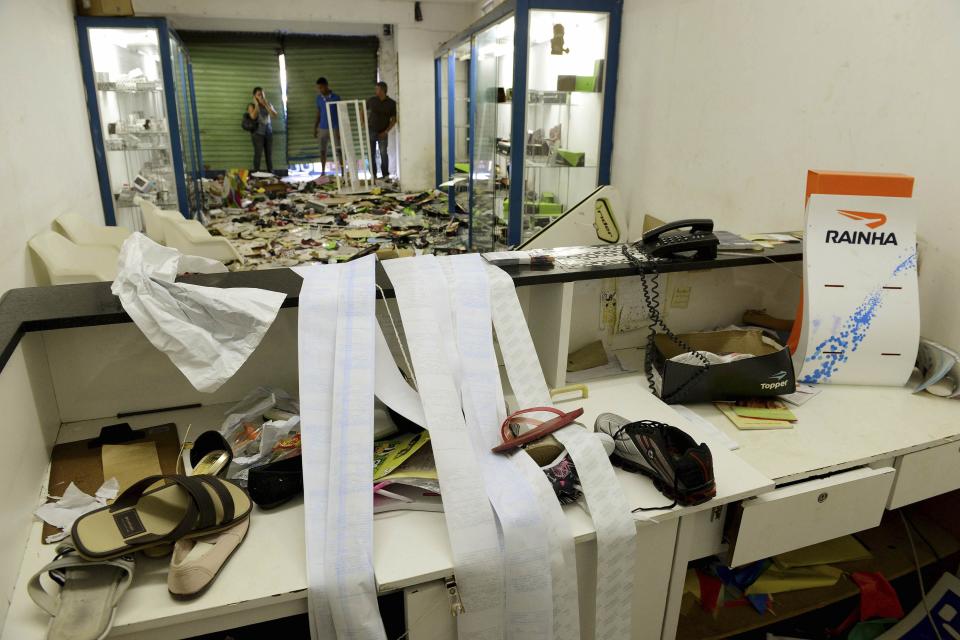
[86,604]
[183,507]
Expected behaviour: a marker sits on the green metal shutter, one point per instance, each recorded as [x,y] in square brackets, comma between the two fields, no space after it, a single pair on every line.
[226,68]
[348,63]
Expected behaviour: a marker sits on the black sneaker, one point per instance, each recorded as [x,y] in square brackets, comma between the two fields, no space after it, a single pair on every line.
[681,469]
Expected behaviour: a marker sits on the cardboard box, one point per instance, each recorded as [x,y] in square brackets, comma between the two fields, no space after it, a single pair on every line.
[768,373]
[105,7]
[566,83]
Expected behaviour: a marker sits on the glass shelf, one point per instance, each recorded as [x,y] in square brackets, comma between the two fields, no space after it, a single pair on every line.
[559,102]
[111,87]
[138,149]
[129,81]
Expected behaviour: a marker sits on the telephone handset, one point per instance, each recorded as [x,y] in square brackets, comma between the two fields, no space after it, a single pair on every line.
[671,239]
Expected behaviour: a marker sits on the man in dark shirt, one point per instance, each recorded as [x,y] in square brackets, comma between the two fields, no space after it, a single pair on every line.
[381,118]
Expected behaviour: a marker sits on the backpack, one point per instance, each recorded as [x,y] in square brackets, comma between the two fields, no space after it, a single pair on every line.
[248,123]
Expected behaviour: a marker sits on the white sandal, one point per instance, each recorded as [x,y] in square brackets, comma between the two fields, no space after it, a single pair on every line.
[86,604]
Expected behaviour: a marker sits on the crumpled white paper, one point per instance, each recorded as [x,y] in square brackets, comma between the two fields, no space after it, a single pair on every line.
[207,332]
[73,504]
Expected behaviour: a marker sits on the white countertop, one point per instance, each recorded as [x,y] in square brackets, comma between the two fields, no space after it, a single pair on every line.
[266,578]
[844,426]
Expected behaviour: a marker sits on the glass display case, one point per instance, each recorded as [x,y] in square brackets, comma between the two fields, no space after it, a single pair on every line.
[142,118]
[541,96]
[189,127]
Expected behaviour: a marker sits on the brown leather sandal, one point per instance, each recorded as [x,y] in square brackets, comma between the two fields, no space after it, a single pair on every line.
[183,507]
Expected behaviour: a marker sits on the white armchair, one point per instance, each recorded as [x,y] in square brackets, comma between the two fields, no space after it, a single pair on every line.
[154,219]
[67,262]
[81,231]
[188,236]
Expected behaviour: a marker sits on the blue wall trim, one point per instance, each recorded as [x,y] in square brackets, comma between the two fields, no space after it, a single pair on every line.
[437,123]
[610,92]
[173,118]
[518,132]
[451,138]
[196,135]
[471,128]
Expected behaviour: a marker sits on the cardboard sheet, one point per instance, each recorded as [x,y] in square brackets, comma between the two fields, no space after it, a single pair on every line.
[130,462]
[81,464]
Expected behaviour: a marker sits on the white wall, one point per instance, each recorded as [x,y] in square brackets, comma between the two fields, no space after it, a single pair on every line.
[46,167]
[415,43]
[28,432]
[722,107]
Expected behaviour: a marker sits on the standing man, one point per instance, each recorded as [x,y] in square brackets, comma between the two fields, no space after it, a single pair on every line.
[381,118]
[322,128]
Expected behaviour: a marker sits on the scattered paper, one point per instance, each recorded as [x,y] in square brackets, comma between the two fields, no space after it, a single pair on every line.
[630,308]
[109,490]
[769,408]
[750,424]
[630,359]
[73,504]
[802,394]
[453,181]
[843,549]
[611,368]
[938,363]
[707,426]
[207,332]
[587,357]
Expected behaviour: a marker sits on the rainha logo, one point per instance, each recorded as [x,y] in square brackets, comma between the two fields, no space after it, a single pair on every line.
[871,220]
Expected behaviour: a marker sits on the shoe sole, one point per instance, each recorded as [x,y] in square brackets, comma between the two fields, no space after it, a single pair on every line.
[691,498]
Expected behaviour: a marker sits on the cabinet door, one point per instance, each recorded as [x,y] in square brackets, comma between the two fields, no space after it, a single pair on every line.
[808,512]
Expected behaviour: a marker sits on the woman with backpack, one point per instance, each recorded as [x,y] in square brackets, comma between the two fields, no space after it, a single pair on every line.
[257,123]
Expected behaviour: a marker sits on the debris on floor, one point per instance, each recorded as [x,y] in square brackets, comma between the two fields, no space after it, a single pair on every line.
[278,223]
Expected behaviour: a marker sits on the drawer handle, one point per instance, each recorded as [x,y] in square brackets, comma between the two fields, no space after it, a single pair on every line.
[822,497]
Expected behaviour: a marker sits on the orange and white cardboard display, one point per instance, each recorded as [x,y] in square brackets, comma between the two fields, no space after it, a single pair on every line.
[860,319]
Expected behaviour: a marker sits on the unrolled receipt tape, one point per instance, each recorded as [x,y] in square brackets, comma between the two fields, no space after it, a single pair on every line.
[615,525]
[471,525]
[336,404]
[468,334]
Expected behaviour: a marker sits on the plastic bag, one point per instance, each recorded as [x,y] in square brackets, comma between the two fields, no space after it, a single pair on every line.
[255,425]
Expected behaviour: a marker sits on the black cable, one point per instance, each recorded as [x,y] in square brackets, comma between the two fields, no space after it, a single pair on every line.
[651,297]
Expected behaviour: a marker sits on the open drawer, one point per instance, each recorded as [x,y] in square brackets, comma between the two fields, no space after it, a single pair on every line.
[808,512]
[927,473]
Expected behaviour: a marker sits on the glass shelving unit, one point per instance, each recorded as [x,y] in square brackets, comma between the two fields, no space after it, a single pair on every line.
[142,117]
[541,95]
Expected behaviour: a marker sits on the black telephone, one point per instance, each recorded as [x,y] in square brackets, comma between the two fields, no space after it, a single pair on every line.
[661,243]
